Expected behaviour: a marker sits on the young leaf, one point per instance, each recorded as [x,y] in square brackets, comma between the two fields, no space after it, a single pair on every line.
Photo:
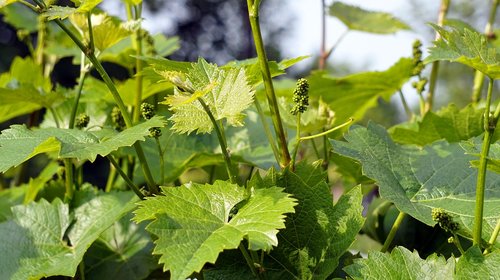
[226,93]
[419,179]
[468,47]
[4,3]
[18,143]
[40,242]
[401,264]
[473,147]
[194,223]
[450,124]
[319,232]
[353,95]
[356,18]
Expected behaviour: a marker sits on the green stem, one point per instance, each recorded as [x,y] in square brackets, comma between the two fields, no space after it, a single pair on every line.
[326,132]
[479,76]
[443,10]
[91,33]
[297,144]
[56,119]
[222,141]
[249,260]
[483,162]
[81,80]
[267,131]
[392,233]
[127,180]
[68,179]
[3,183]
[456,241]
[137,45]
[405,105]
[111,178]
[494,236]
[253,12]
[162,162]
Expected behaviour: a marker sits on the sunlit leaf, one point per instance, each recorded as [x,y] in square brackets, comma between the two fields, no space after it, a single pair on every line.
[194,222]
[356,18]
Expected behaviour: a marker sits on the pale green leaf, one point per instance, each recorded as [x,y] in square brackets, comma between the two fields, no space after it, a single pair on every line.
[467,47]
[226,93]
[401,264]
[417,179]
[356,18]
[9,198]
[353,95]
[474,265]
[194,222]
[58,12]
[40,241]
[18,143]
[450,124]
[473,147]
[4,3]
[319,232]
[20,16]
[36,184]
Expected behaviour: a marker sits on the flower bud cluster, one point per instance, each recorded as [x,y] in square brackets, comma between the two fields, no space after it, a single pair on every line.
[82,121]
[444,220]
[148,111]
[117,119]
[418,64]
[300,97]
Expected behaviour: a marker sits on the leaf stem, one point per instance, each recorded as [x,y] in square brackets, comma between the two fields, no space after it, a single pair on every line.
[111,178]
[483,161]
[392,233]
[479,76]
[443,10]
[81,80]
[68,179]
[297,144]
[253,13]
[405,105]
[127,180]
[56,119]
[326,132]
[267,131]
[493,237]
[222,141]
[137,45]
[249,260]
[162,161]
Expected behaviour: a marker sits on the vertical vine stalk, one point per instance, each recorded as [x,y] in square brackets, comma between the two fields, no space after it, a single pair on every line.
[392,233]
[267,130]
[253,13]
[489,128]
[479,76]
[443,10]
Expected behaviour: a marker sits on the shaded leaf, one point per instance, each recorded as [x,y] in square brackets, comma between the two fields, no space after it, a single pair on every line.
[401,264]
[474,265]
[450,124]
[419,179]
[356,18]
[18,143]
[353,95]
[319,232]
[193,222]
[473,147]
[468,47]
[40,241]
[20,17]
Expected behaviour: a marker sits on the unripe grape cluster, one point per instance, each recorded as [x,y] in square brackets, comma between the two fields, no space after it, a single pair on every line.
[300,97]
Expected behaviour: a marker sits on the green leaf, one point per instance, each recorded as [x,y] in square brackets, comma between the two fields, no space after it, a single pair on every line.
[401,264]
[450,124]
[123,251]
[20,16]
[36,184]
[468,47]
[58,12]
[353,95]
[356,18]
[226,93]
[18,143]
[40,241]
[473,147]
[9,198]
[193,222]
[4,3]
[419,179]
[474,265]
[319,232]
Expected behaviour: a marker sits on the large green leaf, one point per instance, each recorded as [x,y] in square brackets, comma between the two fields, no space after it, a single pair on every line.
[18,143]
[474,265]
[20,16]
[450,124]
[46,239]
[225,92]
[401,264]
[419,179]
[356,18]
[468,47]
[62,12]
[319,232]
[123,251]
[9,198]
[194,223]
[353,95]
[474,146]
